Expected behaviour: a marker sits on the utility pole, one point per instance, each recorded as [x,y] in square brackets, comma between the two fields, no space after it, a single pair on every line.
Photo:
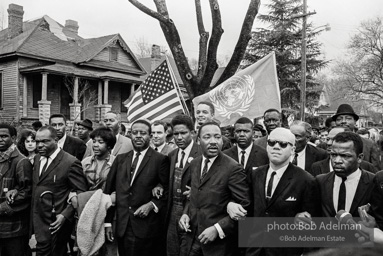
[303,64]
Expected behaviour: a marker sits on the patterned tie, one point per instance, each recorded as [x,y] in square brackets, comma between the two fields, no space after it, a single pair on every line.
[295,160]
[204,171]
[243,158]
[181,165]
[134,164]
[342,195]
[45,166]
[270,186]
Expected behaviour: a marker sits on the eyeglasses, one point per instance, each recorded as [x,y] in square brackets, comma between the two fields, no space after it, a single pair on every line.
[282,144]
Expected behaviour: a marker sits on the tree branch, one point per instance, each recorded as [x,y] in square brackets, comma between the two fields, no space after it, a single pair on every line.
[243,40]
[148,11]
[203,39]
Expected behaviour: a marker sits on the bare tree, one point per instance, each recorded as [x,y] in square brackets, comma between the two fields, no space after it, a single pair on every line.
[361,72]
[199,83]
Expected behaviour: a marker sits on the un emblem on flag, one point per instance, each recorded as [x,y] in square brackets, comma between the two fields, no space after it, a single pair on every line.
[235,96]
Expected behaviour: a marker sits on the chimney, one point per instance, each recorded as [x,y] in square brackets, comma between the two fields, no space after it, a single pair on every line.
[72,26]
[155,57]
[15,20]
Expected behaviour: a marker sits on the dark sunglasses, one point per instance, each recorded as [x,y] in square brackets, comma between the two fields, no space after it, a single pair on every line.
[282,144]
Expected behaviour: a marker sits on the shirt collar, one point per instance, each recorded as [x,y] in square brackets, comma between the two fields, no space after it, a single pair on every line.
[187,149]
[211,160]
[247,150]
[159,148]
[280,171]
[352,176]
[62,140]
[142,153]
[303,151]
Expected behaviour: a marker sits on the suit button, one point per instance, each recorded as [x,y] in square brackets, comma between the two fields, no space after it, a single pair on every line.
[130,207]
[130,194]
[199,189]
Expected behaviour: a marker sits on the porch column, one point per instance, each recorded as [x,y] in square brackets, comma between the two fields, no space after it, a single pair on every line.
[75,107]
[44,104]
[105,107]
[25,97]
[99,102]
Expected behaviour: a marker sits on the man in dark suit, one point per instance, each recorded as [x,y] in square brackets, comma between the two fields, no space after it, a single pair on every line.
[249,155]
[305,154]
[133,175]
[272,119]
[281,189]
[347,187]
[216,179]
[69,144]
[56,174]
[345,116]
[183,131]
[324,166]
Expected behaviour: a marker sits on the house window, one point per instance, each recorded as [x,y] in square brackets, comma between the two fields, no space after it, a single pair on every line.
[37,89]
[1,89]
[113,54]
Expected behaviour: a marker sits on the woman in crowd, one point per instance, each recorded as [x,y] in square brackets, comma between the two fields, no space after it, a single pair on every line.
[27,144]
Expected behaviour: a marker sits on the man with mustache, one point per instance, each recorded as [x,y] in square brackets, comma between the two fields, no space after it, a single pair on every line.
[348,186]
[133,175]
[272,119]
[216,179]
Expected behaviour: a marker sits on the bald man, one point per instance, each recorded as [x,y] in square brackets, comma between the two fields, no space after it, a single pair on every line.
[281,189]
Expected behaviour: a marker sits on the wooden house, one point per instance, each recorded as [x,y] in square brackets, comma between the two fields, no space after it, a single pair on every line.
[48,68]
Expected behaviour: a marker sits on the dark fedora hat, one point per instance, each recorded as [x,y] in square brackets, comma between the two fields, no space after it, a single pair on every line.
[86,123]
[345,109]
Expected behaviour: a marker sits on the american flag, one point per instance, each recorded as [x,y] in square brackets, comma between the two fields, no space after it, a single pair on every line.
[156,98]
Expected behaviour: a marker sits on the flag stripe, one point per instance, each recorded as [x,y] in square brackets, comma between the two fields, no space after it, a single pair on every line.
[153,110]
[154,105]
[156,115]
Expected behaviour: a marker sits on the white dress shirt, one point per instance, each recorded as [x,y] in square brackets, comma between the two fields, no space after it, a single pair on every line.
[301,159]
[140,157]
[277,178]
[50,159]
[159,148]
[247,154]
[351,186]
[61,141]
[187,151]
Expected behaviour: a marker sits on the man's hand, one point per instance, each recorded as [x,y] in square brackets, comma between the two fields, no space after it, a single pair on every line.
[157,191]
[144,210]
[303,217]
[187,192]
[113,198]
[109,234]
[55,226]
[236,211]
[74,202]
[208,235]
[184,222]
[11,195]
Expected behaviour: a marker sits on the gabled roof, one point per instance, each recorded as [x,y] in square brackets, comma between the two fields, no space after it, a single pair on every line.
[44,38]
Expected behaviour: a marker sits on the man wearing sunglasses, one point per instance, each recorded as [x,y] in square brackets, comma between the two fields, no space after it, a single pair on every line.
[281,189]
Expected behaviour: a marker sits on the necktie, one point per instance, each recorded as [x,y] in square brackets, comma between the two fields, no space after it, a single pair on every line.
[204,171]
[295,160]
[156,149]
[134,164]
[270,186]
[243,158]
[181,165]
[44,167]
[342,195]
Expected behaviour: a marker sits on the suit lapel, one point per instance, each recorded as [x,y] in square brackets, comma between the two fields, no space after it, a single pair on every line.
[67,143]
[52,165]
[309,158]
[261,183]
[194,152]
[117,147]
[363,186]
[328,188]
[251,158]
[144,161]
[173,161]
[128,166]
[282,184]
[36,168]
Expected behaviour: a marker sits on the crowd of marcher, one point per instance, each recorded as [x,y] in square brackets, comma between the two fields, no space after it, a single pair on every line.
[179,187]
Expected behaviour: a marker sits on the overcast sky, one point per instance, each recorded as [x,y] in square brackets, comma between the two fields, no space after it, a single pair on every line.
[99,17]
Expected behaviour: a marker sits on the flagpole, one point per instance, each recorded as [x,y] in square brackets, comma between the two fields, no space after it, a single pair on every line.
[176,86]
